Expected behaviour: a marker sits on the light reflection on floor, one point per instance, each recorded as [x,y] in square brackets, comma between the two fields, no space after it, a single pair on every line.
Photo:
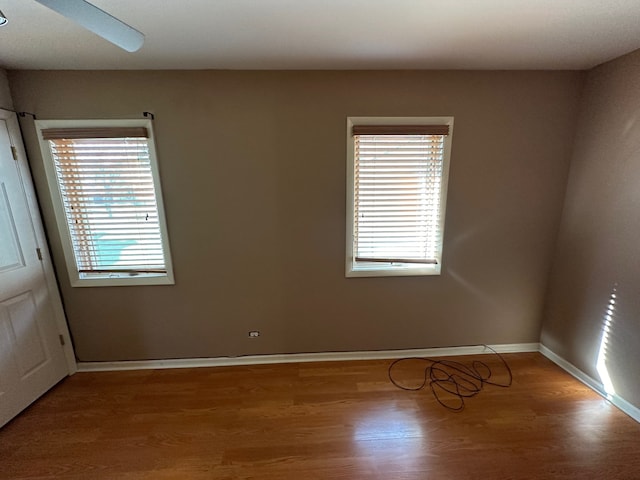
[391,437]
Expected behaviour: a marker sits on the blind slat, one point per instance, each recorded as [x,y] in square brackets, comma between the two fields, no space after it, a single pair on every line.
[428,261]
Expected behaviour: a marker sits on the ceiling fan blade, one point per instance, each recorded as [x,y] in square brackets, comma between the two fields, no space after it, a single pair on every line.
[98,21]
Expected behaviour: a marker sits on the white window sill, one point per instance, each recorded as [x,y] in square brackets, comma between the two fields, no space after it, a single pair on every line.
[400,270]
[121,280]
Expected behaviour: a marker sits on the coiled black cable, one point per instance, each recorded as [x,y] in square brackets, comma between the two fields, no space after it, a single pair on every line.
[458,380]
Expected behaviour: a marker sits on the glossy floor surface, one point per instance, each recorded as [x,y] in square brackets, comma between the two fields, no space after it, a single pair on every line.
[334,420]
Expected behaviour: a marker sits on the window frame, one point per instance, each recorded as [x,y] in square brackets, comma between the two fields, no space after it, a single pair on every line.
[388,270]
[106,280]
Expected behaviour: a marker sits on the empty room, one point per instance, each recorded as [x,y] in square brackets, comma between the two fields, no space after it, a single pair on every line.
[319,240]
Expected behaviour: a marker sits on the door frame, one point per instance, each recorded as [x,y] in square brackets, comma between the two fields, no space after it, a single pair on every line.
[60,319]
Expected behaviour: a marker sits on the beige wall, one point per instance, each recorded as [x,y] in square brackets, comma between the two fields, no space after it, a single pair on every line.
[5,95]
[253,172]
[599,242]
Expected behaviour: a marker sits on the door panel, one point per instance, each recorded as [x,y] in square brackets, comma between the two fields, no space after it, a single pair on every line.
[10,254]
[8,366]
[27,341]
[32,358]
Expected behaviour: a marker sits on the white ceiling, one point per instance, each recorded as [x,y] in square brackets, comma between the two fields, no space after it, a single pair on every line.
[330,34]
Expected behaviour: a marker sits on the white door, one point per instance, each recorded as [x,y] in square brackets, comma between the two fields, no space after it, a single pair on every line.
[32,357]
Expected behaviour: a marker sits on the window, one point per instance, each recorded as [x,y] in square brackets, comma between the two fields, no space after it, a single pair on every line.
[396,193]
[103,178]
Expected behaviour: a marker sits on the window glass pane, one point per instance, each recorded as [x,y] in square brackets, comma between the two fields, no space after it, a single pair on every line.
[397,197]
[110,204]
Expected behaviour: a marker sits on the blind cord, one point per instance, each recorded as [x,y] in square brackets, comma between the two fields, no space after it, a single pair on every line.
[457,379]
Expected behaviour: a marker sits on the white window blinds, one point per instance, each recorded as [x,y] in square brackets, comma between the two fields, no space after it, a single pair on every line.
[397,193]
[106,184]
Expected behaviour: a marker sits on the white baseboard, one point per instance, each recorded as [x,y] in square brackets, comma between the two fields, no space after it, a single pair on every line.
[592,383]
[302,357]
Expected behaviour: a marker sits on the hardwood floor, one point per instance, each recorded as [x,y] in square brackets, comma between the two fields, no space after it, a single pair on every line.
[334,420]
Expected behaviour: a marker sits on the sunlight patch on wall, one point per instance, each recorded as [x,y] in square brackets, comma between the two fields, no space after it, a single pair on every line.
[601,363]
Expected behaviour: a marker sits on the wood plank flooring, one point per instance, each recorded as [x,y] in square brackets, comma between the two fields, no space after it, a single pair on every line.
[333,420]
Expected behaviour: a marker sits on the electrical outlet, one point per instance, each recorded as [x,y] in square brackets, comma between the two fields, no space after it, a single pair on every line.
[254,333]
